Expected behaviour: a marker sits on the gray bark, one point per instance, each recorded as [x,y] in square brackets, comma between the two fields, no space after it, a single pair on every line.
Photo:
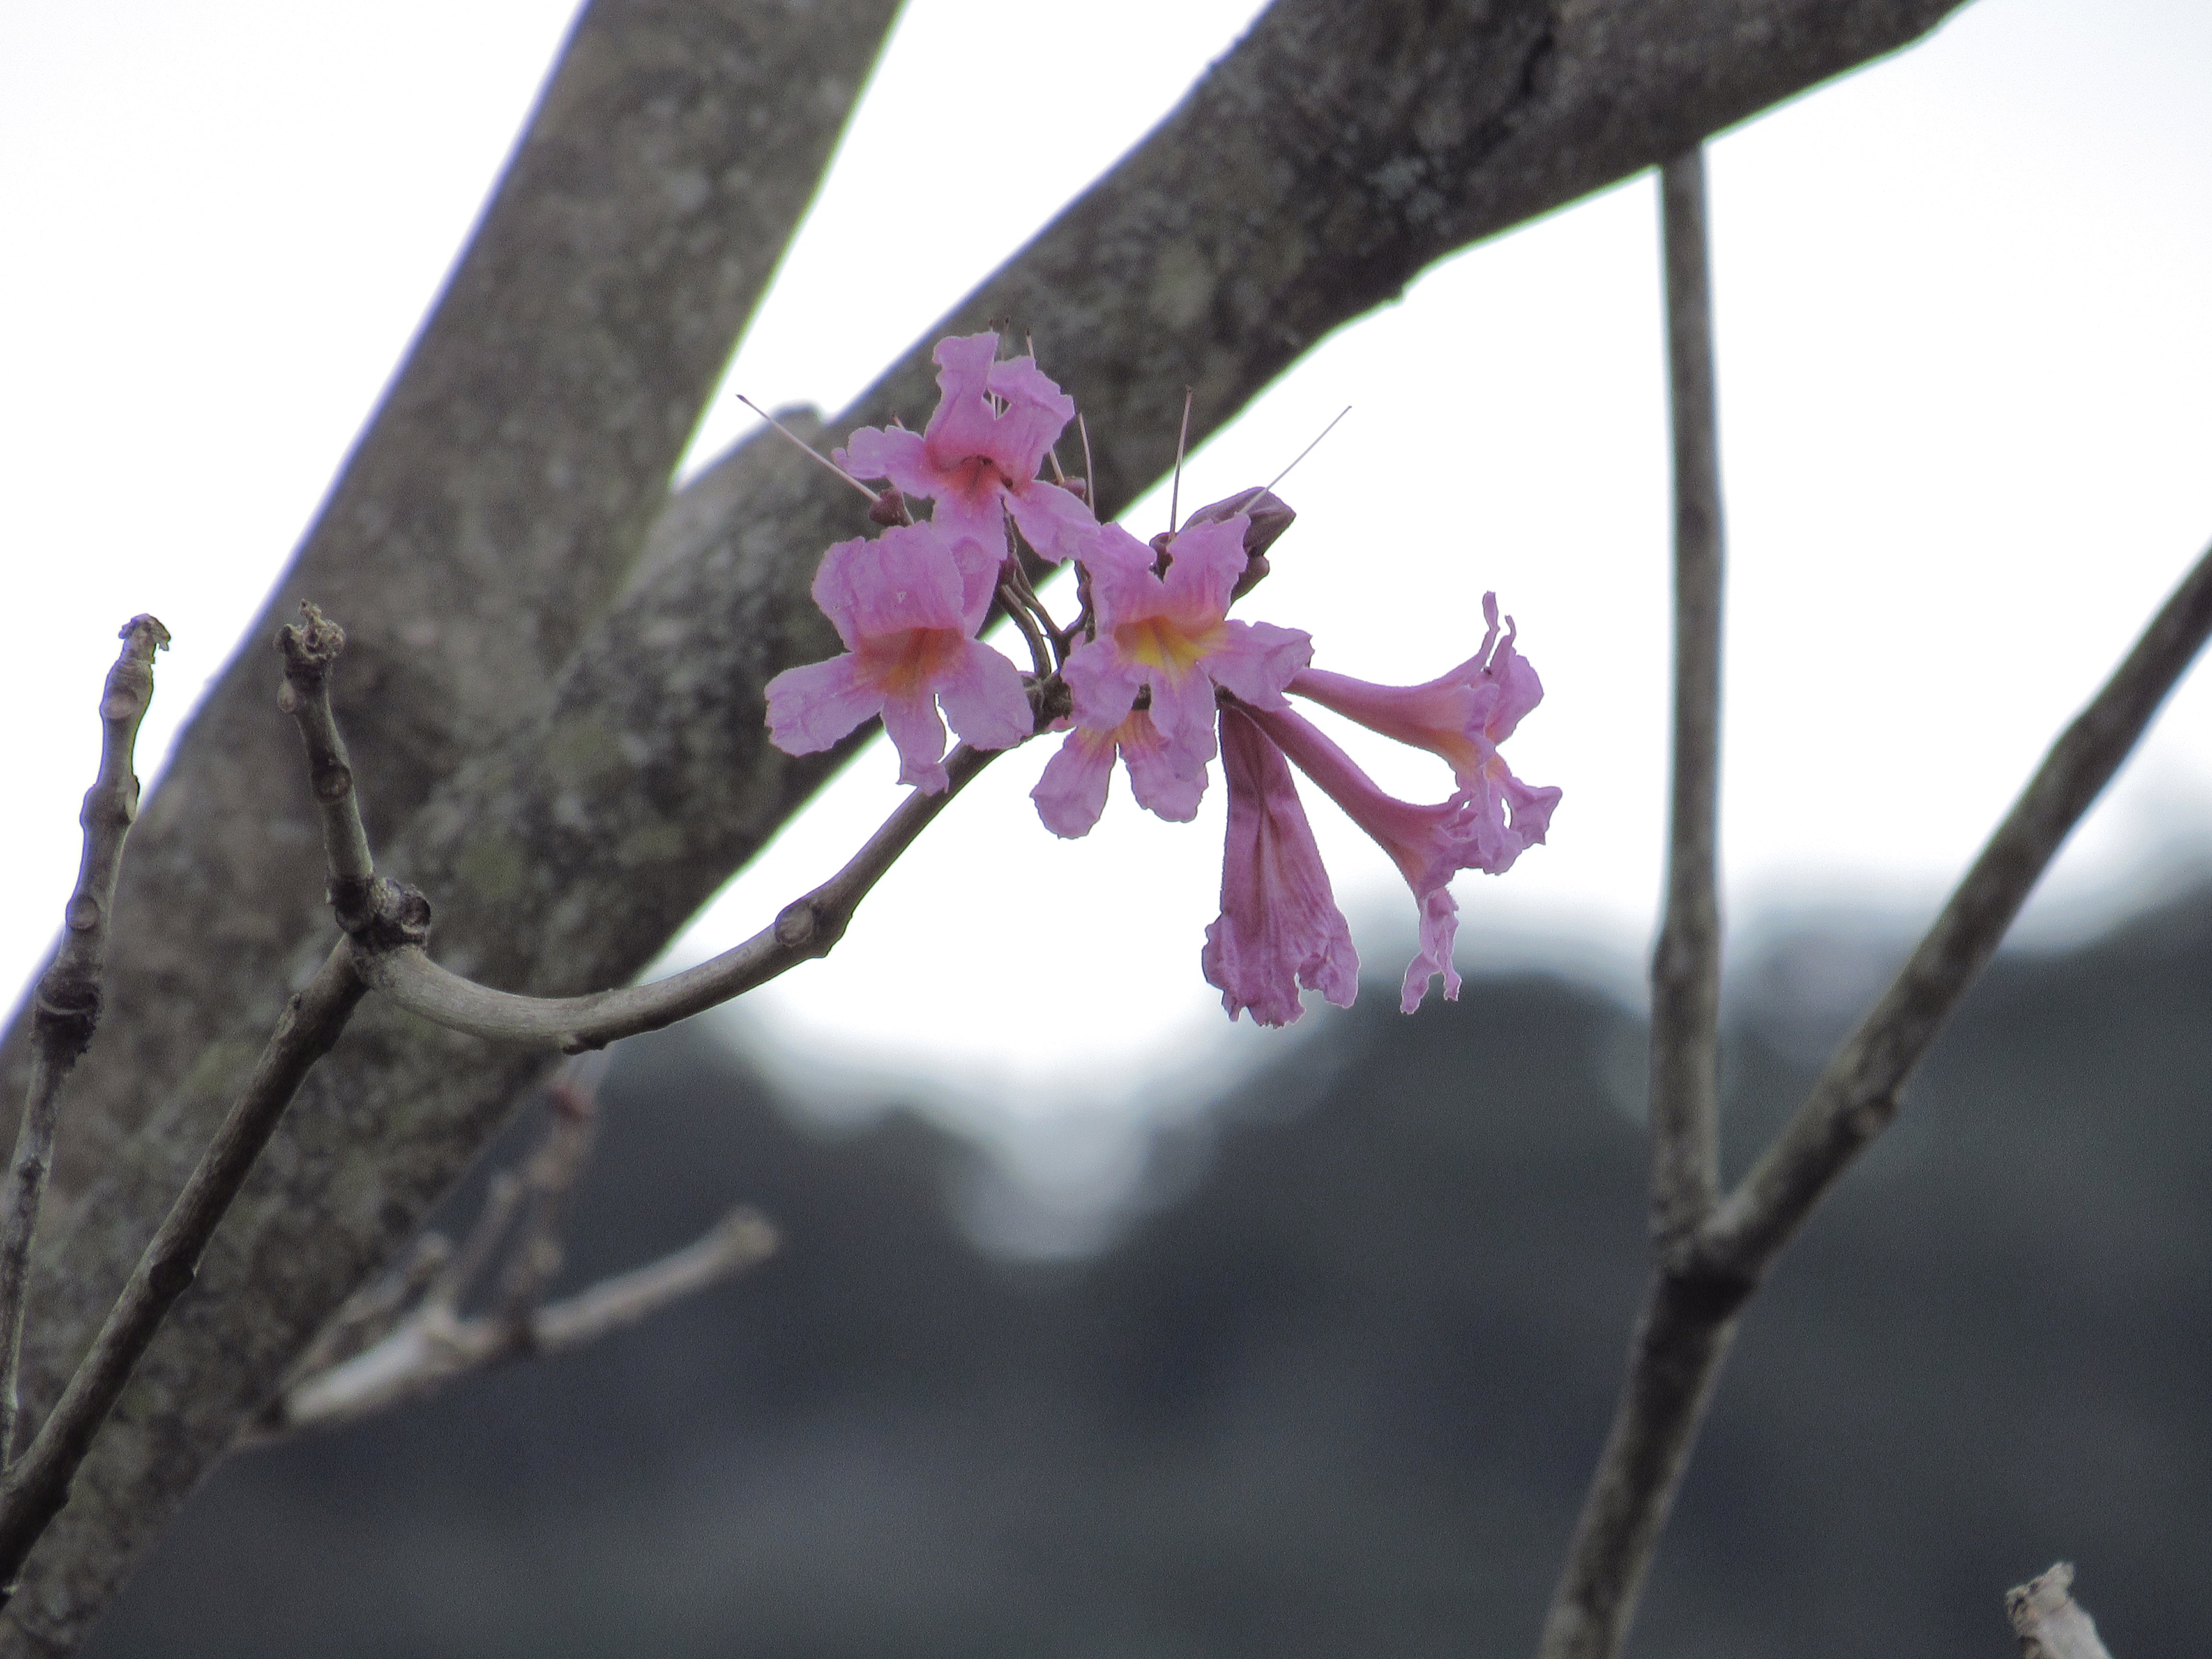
[568,782]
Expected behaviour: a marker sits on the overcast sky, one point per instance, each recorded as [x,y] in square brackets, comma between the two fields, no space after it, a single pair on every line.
[1963,345]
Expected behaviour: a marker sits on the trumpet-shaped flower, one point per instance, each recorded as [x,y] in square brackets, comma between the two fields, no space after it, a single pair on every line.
[1462,716]
[1173,634]
[906,605]
[1429,844]
[1279,927]
[973,459]
[1072,792]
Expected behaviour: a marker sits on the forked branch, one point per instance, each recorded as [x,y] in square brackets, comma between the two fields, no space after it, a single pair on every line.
[382,1352]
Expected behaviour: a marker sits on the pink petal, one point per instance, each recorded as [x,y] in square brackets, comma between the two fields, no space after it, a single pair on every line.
[910,721]
[1053,520]
[1257,660]
[1205,562]
[1071,792]
[1439,924]
[812,706]
[1103,686]
[1163,777]
[983,698]
[1279,927]
[889,452]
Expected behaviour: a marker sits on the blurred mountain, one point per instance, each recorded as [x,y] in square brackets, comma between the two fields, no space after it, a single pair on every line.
[1336,1391]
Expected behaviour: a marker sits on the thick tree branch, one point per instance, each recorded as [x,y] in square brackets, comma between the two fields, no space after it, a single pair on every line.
[1318,168]
[1689,1316]
[65,1006]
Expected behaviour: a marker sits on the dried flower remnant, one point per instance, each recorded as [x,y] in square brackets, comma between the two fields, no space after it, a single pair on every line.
[906,605]
[977,461]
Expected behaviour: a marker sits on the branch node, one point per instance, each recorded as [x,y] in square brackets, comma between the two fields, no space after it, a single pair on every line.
[795,924]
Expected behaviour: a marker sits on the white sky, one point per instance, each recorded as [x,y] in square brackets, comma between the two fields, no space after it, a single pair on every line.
[1965,345]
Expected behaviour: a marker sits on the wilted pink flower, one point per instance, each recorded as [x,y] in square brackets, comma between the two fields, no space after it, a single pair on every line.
[1462,716]
[1279,927]
[1173,634]
[972,459]
[906,605]
[1429,844]
[1072,792]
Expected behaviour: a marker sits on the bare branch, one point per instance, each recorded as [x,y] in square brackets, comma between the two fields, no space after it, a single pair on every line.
[2050,1623]
[807,927]
[66,1003]
[1668,1382]
[311,649]
[34,1489]
[1686,968]
[431,1348]
[1690,1312]
[1856,1095]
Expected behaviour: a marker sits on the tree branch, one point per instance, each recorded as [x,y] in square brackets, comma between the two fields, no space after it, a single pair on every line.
[1686,968]
[1664,1394]
[35,1488]
[65,1006]
[809,926]
[432,1345]
[1689,1316]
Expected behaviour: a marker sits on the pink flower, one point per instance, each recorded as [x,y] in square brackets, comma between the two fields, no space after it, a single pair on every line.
[1279,927]
[1429,844]
[906,605]
[1462,716]
[1072,792]
[1172,634]
[972,459]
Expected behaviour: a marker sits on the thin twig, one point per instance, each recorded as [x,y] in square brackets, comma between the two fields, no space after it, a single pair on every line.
[1664,1392]
[1686,967]
[1015,607]
[35,1488]
[549,1178]
[425,1352]
[66,1005]
[1690,1316]
[368,1315]
[806,929]
[310,649]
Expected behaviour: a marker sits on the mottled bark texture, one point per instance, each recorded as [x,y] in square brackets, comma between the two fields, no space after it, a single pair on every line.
[564,833]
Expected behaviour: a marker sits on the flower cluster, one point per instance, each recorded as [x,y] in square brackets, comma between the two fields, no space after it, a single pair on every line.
[1154,673]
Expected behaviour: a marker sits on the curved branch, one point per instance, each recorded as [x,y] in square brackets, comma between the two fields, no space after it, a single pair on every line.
[809,926]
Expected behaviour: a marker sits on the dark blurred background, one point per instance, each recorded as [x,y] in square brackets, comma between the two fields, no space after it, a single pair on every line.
[1335,1385]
